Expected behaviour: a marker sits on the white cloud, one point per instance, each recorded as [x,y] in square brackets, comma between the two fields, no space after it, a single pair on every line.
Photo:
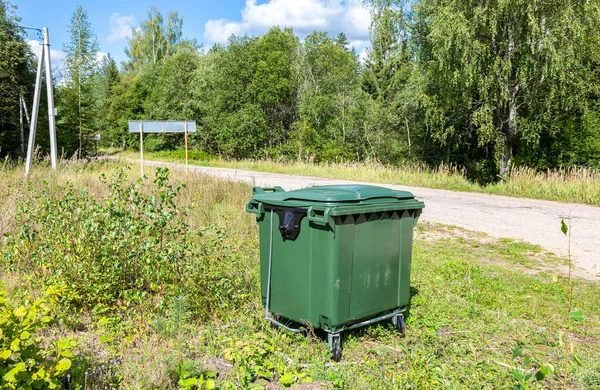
[360,45]
[218,31]
[100,56]
[120,27]
[332,16]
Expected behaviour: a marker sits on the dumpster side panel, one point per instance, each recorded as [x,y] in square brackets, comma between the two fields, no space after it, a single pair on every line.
[323,259]
[405,256]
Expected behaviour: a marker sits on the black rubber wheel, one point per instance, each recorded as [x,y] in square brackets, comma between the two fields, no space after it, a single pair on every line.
[336,354]
[399,324]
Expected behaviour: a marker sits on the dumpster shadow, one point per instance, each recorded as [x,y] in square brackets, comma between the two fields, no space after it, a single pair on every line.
[413,293]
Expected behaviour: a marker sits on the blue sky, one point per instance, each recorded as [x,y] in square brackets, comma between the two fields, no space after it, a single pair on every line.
[208,21]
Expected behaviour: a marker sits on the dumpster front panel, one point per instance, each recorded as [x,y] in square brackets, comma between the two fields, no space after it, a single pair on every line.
[300,270]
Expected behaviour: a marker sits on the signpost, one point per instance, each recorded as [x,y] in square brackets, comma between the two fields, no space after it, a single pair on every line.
[142,127]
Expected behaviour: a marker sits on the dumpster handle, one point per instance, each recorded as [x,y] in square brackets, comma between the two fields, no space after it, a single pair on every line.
[267,311]
[262,190]
[312,216]
[269,272]
[255,208]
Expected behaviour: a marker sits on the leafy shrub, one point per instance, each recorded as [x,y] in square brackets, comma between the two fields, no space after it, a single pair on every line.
[24,363]
[110,252]
[106,252]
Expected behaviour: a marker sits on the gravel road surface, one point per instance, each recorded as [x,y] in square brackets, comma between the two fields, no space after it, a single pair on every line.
[530,220]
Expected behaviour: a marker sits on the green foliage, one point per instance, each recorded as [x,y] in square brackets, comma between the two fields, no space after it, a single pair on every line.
[529,374]
[24,362]
[76,101]
[485,86]
[154,40]
[16,77]
[120,250]
[246,93]
[103,252]
[192,378]
[256,359]
[510,82]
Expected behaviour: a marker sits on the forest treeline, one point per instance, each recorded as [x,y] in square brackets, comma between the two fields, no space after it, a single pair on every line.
[476,83]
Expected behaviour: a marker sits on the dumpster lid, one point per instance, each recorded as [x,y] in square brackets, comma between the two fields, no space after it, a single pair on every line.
[331,195]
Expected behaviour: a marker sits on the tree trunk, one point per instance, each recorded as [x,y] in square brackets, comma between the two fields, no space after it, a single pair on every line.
[407,135]
[510,128]
[510,132]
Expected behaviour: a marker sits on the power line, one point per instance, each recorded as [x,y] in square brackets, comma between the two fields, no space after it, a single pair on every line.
[39,30]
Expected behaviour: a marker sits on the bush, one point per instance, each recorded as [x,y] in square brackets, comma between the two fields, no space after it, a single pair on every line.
[114,252]
[104,252]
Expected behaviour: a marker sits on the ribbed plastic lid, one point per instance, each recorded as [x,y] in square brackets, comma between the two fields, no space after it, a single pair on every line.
[334,195]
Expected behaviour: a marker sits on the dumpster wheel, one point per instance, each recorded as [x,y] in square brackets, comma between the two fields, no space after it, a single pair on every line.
[398,322]
[335,345]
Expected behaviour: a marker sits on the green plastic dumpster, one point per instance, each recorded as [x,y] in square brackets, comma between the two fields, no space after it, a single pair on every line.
[335,257]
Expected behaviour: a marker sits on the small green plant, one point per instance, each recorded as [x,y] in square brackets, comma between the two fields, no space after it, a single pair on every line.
[257,359]
[24,362]
[529,374]
[173,325]
[192,377]
[577,315]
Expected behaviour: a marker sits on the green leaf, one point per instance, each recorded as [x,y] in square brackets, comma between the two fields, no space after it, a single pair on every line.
[526,360]
[63,365]
[15,345]
[5,354]
[563,227]
[577,315]
[187,382]
[517,352]
[544,371]
[287,379]
[20,312]
[210,384]
[517,375]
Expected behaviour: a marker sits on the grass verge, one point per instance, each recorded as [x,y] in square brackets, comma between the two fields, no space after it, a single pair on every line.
[483,312]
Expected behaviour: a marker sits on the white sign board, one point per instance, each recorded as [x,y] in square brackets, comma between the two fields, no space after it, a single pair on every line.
[162,126]
[146,127]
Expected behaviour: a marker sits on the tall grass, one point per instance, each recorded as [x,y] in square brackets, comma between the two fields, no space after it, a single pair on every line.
[578,185]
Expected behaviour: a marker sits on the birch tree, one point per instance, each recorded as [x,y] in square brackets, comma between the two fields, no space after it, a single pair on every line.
[499,72]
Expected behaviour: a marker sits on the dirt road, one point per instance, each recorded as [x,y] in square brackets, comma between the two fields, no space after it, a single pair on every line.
[534,221]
